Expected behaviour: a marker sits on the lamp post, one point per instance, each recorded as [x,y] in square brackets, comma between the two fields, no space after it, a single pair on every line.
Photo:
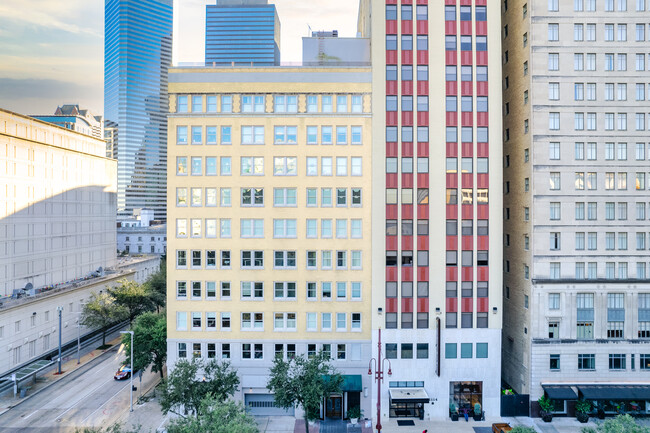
[379,377]
[130,332]
[60,310]
[81,304]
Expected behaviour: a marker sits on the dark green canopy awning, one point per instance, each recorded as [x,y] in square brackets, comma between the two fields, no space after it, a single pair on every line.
[560,392]
[615,392]
[351,382]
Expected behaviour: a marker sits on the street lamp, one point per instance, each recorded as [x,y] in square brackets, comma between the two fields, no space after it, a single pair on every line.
[60,310]
[379,377]
[130,332]
[81,304]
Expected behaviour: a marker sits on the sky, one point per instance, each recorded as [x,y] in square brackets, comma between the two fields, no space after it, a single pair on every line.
[52,52]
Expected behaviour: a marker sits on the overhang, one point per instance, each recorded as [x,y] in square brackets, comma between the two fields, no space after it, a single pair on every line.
[408,395]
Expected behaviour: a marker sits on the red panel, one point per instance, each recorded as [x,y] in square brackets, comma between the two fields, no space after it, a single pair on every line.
[407,242]
[451,273]
[407,27]
[482,150]
[451,242]
[452,180]
[482,88]
[422,2]
[467,211]
[391,211]
[468,242]
[466,304]
[466,150]
[407,305]
[450,27]
[407,87]
[423,273]
[407,274]
[391,180]
[466,28]
[465,2]
[452,149]
[482,211]
[423,149]
[480,2]
[407,2]
[451,211]
[451,305]
[482,305]
[391,305]
[423,305]
[391,87]
[407,211]
[391,118]
[391,149]
[423,118]
[423,178]
[407,57]
[422,57]
[482,119]
[481,28]
[482,243]
[423,210]
[466,118]
[481,58]
[423,242]
[422,87]
[407,180]
[482,180]
[451,117]
[391,2]
[450,58]
[407,148]
[483,273]
[422,27]
[450,2]
[467,273]
[391,57]
[391,273]
[407,118]
[451,88]
[391,242]
[391,27]
[467,180]
[466,88]
[466,57]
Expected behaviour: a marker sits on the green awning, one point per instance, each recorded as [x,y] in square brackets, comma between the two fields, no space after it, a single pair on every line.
[351,383]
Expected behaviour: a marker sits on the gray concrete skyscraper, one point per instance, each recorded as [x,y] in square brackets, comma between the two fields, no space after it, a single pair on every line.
[137,54]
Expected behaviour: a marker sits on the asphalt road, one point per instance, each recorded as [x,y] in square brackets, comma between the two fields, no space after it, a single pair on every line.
[86,398]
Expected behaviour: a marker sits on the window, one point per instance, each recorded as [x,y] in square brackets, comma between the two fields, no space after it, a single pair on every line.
[553,32]
[252,135]
[285,166]
[554,211]
[252,228]
[285,103]
[553,61]
[285,135]
[250,166]
[585,315]
[586,361]
[615,315]
[617,361]
[554,121]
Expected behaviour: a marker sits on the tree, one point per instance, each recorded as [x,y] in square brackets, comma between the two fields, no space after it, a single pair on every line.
[115,428]
[216,417]
[157,285]
[305,382]
[620,424]
[100,312]
[134,297]
[182,388]
[150,342]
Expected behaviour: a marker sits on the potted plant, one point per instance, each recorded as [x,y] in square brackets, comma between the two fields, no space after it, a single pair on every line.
[583,408]
[453,412]
[546,408]
[478,413]
[354,413]
[600,409]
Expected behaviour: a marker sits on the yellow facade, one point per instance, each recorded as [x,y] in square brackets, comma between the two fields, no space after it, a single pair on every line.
[205,87]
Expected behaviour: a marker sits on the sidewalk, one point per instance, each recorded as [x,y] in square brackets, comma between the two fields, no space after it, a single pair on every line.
[68,366]
[147,415]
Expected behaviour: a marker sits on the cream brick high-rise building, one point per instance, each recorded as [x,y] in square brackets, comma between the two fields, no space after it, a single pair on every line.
[577,294]
[269,222]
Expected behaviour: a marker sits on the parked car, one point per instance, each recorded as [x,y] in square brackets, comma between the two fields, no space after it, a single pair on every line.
[124,372]
[501,427]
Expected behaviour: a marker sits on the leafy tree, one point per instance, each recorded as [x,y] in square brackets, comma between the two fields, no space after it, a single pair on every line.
[305,382]
[620,424]
[522,429]
[134,297]
[183,388]
[157,285]
[150,342]
[100,312]
[115,428]
[216,417]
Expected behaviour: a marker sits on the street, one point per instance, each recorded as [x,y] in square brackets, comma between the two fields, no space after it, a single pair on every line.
[88,397]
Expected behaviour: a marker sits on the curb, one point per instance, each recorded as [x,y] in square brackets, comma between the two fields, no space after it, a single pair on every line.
[80,370]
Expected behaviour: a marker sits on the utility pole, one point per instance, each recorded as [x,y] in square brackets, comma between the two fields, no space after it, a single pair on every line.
[60,310]
[379,377]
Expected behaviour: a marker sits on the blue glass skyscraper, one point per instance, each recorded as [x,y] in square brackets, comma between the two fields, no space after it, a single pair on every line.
[242,32]
[137,55]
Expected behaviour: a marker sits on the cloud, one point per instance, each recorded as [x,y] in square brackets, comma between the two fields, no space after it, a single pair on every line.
[42,16]
[41,96]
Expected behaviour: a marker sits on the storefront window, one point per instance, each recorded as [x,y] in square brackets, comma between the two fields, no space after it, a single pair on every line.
[465,394]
